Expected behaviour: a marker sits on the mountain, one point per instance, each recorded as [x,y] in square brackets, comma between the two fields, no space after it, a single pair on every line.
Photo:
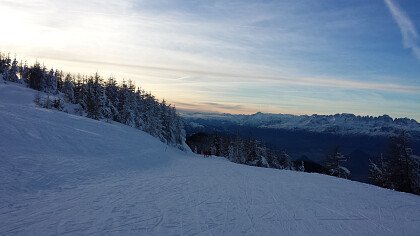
[67,174]
[343,124]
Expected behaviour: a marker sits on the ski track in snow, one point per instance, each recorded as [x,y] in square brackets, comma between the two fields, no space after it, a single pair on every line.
[67,175]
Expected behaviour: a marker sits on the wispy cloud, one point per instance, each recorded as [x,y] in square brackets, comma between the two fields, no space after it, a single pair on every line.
[190,76]
[214,107]
[407,27]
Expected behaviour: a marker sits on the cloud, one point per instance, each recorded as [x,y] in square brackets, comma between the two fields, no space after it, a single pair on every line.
[407,28]
[292,53]
[213,107]
[191,76]
[223,106]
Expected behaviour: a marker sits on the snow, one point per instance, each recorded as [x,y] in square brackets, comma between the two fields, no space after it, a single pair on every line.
[65,174]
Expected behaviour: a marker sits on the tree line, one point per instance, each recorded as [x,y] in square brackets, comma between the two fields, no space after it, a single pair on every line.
[247,151]
[397,169]
[97,98]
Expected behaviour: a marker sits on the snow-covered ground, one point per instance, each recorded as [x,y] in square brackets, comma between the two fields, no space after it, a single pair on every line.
[65,174]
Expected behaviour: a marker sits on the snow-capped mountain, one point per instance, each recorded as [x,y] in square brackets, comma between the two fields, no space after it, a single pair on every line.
[337,124]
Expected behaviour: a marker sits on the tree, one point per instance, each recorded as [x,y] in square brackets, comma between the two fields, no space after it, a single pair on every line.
[377,173]
[401,168]
[11,75]
[301,168]
[111,92]
[92,97]
[68,89]
[36,77]
[58,74]
[334,164]
[50,83]
[126,104]
[5,63]
[24,72]
[284,161]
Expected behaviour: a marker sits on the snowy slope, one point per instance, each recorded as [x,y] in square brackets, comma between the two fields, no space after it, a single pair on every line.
[343,124]
[64,174]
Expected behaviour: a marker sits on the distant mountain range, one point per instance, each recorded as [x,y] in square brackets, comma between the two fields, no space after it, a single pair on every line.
[343,124]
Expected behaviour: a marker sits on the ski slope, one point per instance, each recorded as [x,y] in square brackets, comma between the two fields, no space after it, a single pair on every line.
[65,174]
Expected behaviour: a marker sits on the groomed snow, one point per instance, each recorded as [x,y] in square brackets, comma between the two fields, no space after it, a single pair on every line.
[64,174]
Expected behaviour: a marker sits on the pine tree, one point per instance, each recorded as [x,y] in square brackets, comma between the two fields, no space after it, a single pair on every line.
[165,117]
[106,107]
[377,173]
[50,83]
[111,92]
[301,167]
[24,72]
[59,77]
[92,97]
[68,89]
[11,75]
[284,161]
[5,63]
[36,77]
[402,170]
[126,105]
[334,164]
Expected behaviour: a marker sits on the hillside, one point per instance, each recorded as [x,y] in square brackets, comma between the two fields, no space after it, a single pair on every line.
[66,174]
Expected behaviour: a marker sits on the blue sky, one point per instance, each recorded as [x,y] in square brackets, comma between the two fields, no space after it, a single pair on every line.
[300,57]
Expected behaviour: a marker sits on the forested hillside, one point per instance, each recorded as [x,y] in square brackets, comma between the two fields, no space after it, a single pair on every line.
[98,98]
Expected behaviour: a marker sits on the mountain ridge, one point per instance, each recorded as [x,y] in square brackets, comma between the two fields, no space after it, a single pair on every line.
[344,123]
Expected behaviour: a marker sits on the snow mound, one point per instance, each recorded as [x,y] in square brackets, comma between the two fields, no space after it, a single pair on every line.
[65,174]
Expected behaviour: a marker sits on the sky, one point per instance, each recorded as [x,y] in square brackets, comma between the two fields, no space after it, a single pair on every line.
[289,56]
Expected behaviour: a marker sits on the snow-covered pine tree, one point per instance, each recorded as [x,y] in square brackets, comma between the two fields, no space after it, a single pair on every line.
[11,75]
[79,90]
[58,74]
[334,164]
[93,97]
[377,173]
[262,155]
[23,72]
[138,110]
[106,107]
[36,77]
[5,63]
[301,167]
[180,134]
[403,167]
[50,83]
[272,160]
[152,117]
[68,89]
[167,123]
[111,92]
[126,104]
[284,161]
